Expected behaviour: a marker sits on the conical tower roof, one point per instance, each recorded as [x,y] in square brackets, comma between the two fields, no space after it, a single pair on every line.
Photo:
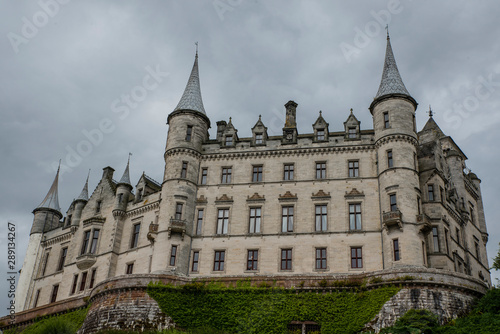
[84,195]
[126,175]
[391,82]
[51,201]
[191,99]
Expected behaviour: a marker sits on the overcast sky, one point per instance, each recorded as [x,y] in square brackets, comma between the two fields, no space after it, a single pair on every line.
[67,67]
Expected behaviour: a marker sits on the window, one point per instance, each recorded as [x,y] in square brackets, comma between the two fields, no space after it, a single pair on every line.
[476,247]
[446,241]
[286,259]
[252,259]
[189,132]
[130,268]
[386,120]
[98,207]
[320,258]
[135,235]
[92,278]
[254,224]
[393,202]
[196,259]
[173,254]
[353,168]
[259,138]
[472,219]
[204,175]
[36,298]
[419,208]
[352,134]
[390,162]
[257,174]
[435,239]
[219,260]
[288,172]
[83,281]
[95,238]
[75,282]
[229,140]
[415,161]
[44,267]
[321,170]
[424,256]
[199,222]
[86,239]
[430,192]
[320,134]
[356,257]
[395,246]
[184,169]
[321,218]
[226,175]
[287,219]
[53,297]
[68,221]
[355,216]
[178,211]
[457,230]
[441,194]
[120,196]
[62,258]
[222,221]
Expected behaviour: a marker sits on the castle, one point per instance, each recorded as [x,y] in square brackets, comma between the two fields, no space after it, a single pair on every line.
[292,205]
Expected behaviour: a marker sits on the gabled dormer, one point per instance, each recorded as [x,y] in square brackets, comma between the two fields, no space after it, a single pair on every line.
[320,128]
[259,133]
[352,127]
[227,134]
[145,187]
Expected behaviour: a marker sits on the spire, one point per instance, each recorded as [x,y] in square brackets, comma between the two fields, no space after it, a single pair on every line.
[51,201]
[191,99]
[126,176]
[391,82]
[84,195]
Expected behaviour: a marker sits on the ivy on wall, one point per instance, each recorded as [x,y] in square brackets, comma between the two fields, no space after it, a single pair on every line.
[246,309]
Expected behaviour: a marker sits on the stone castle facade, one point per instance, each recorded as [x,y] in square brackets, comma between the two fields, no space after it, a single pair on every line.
[326,203]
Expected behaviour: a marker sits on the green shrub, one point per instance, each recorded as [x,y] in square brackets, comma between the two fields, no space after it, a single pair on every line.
[414,321]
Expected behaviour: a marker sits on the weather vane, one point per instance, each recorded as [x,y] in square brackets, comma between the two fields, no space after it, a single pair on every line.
[430,111]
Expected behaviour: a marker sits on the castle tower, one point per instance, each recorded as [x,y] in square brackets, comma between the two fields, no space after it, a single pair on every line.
[123,194]
[46,217]
[393,111]
[188,129]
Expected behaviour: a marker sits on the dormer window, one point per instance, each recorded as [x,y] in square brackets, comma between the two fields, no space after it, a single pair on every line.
[229,141]
[320,135]
[259,138]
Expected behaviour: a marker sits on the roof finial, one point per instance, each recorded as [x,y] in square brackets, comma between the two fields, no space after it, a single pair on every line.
[430,112]
[320,112]
[387,29]
[351,111]
[260,117]
[196,43]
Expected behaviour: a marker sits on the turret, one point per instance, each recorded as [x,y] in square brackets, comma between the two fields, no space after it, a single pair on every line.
[188,130]
[393,111]
[48,213]
[123,192]
[75,212]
